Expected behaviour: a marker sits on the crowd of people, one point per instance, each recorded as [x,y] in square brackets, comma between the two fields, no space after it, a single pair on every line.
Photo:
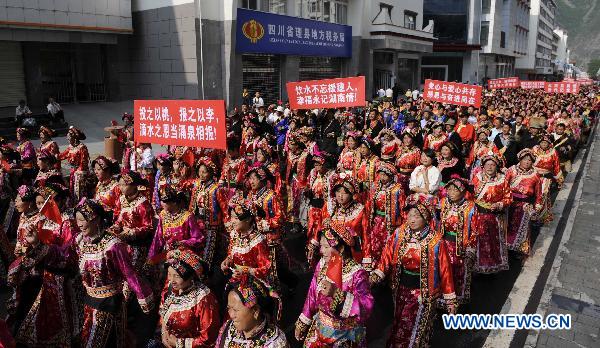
[407,193]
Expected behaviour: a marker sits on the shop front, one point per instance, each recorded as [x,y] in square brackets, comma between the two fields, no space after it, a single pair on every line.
[276,49]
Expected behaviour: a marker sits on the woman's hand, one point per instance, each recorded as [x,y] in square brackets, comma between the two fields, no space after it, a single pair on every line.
[328,288]
[225,265]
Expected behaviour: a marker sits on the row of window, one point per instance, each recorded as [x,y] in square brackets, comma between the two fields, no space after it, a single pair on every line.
[545,27]
[333,11]
[539,62]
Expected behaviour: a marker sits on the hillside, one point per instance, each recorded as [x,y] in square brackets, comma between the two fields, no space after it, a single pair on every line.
[581,19]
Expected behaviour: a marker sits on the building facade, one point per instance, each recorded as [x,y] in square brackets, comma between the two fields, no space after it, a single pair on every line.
[455,55]
[538,63]
[63,49]
[560,54]
[504,36]
[189,49]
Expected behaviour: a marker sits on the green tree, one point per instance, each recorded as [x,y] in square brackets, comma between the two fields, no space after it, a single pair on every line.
[593,67]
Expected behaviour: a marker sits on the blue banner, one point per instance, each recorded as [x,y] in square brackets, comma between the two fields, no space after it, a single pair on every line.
[261,32]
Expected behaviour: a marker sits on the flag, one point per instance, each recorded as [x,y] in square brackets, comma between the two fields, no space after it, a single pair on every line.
[334,270]
[51,211]
[5,166]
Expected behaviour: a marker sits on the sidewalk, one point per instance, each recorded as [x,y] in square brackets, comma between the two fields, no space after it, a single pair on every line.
[574,288]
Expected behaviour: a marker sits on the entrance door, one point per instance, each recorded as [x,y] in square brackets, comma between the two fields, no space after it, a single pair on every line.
[383,79]
[434,72]
[262,73]
[12,78]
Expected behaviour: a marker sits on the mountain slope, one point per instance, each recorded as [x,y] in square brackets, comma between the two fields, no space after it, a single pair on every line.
[581,19]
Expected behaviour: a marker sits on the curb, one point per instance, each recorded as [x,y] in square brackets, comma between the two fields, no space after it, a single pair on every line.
[532,289]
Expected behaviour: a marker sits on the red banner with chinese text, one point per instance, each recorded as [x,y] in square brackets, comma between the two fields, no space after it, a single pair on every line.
[452,93]
[585,82]
[330,93]
[562,87]
[533,84]
[506,82]
[197,123]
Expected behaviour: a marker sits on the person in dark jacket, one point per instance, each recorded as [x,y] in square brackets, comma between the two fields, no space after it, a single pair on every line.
[507,145]
[329,130]
[452,136]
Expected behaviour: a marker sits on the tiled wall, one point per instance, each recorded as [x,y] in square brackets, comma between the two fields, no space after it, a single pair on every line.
[159,60]
[114,14]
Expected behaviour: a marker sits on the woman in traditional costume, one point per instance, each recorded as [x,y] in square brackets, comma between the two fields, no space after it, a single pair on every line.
[107,189]
[177,227]
[317,192]
[436,139]
[547,166]
[526,189]
[386,201]
[209,205]
[163,177]
[481,148]
[253,308]
[28,156]
[46,143]
[408,158]
[248,249]
[492,199]
[189,311]
[80,183]
[47,170]
[344,210]
[134,224]
[418,265]
[456,215]
[336,311]
[105,267]
[49,322]
[350,156]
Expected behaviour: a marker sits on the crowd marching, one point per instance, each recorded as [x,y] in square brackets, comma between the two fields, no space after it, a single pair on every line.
[405,193]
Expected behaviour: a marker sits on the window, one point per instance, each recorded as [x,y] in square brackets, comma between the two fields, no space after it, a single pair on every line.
[334,11]
[250,4]
[410,20]
[502,39]
[485,32]
[486,6]
[273,6]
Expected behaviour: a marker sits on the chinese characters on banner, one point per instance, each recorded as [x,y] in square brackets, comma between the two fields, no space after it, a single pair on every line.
[331,93]
[452,93]
[507,82]
[562,87]
[198,123]
[585,82]
[533,84]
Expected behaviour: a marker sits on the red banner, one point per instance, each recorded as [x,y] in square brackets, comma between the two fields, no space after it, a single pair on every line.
[585,82]
[506,82]
[197,123]
[562,87]
[533,84]
[331,93]
[452,93]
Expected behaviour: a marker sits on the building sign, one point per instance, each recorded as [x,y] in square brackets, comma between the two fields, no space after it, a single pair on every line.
[198,123]
[562,87]
[261,32]
[507,82]
[331,93]
[533,84]
[452,93]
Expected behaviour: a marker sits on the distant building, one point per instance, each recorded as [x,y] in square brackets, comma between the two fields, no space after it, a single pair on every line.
[190,49]
[455,55]
[65,49]
[560,54]
[538,63]
[504,36]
